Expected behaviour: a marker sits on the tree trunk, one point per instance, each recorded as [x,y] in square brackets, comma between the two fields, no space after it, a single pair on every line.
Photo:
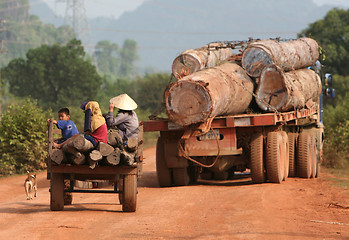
[127,158]
[81,143]
[290,55]
[114,138]
[132,144]
[57,156]
[105,149]
[74,155]
[114,158]
[282,91]
[193,60]
[222,90]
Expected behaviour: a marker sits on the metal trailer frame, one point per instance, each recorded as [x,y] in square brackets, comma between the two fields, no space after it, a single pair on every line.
[224,137]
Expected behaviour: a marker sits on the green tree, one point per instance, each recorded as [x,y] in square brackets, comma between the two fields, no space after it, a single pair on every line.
[332,34]
[23,138]
[54,75]
[107,58]
[128,55]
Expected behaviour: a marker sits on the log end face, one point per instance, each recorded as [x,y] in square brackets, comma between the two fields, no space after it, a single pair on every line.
[188,102]
[272,92]
[184,65]
[254,60]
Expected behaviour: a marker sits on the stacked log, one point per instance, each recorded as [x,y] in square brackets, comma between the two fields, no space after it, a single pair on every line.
[221,90]
[289,55]
[283,91]
[79,151]
[193,60]
[278,70]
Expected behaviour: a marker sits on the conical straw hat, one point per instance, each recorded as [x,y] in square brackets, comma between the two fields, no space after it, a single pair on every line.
[124,102]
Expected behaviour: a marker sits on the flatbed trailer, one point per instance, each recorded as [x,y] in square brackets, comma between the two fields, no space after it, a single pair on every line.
[124,178]
[272,145]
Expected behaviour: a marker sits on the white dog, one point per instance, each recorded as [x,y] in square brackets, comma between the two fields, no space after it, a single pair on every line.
[30,184]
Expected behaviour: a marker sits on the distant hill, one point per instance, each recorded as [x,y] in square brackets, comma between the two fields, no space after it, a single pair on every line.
[165,28]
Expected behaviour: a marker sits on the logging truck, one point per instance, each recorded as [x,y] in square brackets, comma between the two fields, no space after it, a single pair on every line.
[258,111]
[104,167]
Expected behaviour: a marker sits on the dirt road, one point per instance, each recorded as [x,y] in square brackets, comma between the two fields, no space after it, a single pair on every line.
[236,209]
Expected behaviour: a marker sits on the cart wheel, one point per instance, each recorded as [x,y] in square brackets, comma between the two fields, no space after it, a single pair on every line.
[180,176]
[120,189]
[57,192]
[162,171]
[68,196]
[274,158]
[292,140]
[129,193]
[257,166]
[304,160]
[286,153]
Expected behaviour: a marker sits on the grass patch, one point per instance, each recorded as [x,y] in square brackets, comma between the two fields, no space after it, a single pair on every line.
[340,177]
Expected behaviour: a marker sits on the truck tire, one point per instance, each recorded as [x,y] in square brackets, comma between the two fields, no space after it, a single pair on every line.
[129,195]
[257,166]
[162,171]
[304,154]
[292,141]
[57,192]
[313,157]
[180,176]
[274,157]
[286,153]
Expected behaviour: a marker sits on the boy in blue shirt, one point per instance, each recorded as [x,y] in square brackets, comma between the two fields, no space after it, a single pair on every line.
[67,126]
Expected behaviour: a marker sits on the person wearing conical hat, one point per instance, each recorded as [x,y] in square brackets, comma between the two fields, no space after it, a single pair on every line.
[95,127]
[126,120]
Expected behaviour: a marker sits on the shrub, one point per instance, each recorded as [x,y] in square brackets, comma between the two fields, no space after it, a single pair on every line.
[23,138]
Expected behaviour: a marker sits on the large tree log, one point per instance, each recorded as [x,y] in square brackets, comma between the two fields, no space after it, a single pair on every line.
[222,90]
[94,157]
[114,158]
[193,60]
[82,144]
[127,158]
[282,91]
[132,144]
[57,156]
[105,149]
[289,55]
[114,138]
[74,155]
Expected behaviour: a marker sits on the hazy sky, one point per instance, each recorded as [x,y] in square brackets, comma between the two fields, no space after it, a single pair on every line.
[114,8]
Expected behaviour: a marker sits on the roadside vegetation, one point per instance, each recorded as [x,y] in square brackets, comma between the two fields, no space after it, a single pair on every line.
[36,81]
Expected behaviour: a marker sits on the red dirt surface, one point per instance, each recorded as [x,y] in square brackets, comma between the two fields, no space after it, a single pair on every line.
[234,209]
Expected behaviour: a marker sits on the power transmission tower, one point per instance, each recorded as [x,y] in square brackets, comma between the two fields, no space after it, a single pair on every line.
[75,16]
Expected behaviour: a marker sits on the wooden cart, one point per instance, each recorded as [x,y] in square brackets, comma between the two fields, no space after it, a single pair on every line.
[123,177]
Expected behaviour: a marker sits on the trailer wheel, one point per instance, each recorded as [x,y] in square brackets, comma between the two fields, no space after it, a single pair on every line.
[180,176]
[274,158]
[68,196]
[292,141]
[286,152]
[162,171]
[257,166]
[304,160]
[57,192]
[129,195]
